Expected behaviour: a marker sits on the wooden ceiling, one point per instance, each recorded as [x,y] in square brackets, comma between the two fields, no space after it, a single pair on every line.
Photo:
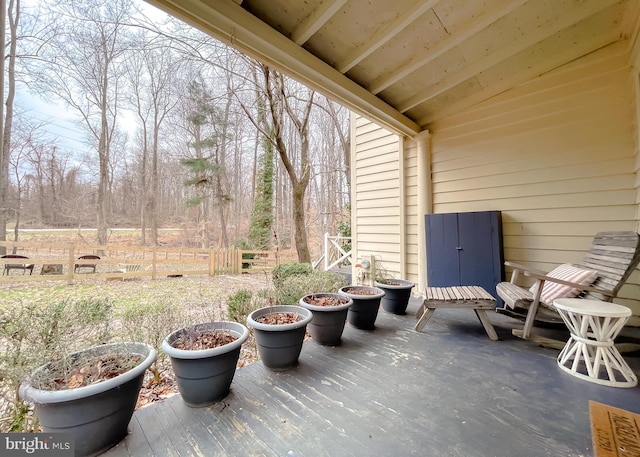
[407,63]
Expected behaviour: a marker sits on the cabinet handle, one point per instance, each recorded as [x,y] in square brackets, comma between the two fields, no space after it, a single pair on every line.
[458,248]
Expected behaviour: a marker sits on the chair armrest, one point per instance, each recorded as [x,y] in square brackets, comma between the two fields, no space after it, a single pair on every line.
[543,277]
[517,266]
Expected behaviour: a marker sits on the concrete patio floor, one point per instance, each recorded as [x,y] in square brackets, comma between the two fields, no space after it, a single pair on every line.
[448,391]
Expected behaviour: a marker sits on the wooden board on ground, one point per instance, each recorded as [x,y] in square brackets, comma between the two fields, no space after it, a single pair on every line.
[615,432]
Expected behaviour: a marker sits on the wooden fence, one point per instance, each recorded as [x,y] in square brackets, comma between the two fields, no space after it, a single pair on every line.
[61,261]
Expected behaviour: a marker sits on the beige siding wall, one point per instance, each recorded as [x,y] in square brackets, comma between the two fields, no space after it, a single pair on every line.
[558,157]
[377,195]
[385,199]
[413,235]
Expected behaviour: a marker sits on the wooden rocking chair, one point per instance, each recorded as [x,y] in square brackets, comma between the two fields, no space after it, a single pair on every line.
[614,255]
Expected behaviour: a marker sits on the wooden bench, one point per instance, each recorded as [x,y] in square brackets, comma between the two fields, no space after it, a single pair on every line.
[89,266]
[463,297]
[16,266]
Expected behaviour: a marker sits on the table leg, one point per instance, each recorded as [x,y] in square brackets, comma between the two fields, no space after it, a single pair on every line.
[428,312]
[486,323]
[598,362]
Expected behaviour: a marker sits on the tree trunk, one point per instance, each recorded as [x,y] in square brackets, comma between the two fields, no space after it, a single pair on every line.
[103,157]
[143,188]
[5,121]
[300,230]
[153,207]
[222,186]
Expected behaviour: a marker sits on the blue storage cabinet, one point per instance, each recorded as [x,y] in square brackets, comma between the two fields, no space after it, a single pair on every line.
[465,249]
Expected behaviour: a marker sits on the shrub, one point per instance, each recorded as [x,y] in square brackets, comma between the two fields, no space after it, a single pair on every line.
[287,270]
[239,305]
[295,287]
[344,229]
[33,332]
[149,322]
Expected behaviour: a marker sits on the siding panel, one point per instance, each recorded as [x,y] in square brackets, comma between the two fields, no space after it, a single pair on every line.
[558,157]
[376,192]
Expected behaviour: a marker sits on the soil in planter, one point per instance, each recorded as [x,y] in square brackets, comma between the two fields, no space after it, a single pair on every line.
[325,301]
[279,318]
[206,340]
[80,373]
[390,282]
[357,291]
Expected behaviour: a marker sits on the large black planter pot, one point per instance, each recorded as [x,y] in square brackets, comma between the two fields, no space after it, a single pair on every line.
[279,346]
[327,324]
[97,416]
[364,311]
[396,295]
[204,376]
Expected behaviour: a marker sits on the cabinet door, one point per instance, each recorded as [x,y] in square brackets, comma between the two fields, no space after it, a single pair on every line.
[480,249]
[465,249]
[443,265]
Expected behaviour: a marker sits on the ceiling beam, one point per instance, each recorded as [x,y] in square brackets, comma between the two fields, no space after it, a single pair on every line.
[228,22]
[444,45]
[384,35]
[514,47]
[315,20]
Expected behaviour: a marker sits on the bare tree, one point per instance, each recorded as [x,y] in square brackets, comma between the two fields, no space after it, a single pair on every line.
[329,197]
[340,118]
[201,121]
[262,215]
[151,74]
[283,106]
[33,160]
[6,112]
[84,69]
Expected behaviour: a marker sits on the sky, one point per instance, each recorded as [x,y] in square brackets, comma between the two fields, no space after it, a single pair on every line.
[61,123]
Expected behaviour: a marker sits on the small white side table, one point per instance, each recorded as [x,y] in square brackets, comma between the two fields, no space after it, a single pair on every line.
[590,354]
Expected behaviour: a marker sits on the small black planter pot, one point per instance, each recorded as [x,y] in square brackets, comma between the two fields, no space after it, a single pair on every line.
[97,416]
[327,324]
[364,311]
[279,346]
[204,376]
[396,295]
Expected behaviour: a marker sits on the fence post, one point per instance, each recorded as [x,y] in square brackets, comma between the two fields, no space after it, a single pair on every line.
[212,264]
[238,268]
[72,267]
[154,262]
[326,251]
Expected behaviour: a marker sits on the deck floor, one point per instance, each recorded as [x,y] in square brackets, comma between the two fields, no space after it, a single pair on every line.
[448,391]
